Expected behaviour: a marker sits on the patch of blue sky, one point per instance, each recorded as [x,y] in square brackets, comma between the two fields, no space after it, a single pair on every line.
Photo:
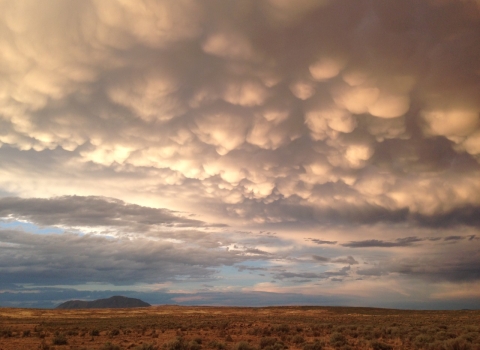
[227,278]
[254,264]
[242,277]
[29,227]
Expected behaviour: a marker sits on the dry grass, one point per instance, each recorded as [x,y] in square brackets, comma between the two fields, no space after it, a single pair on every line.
[215,328]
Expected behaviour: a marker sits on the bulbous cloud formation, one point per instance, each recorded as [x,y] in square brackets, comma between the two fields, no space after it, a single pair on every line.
[254,107]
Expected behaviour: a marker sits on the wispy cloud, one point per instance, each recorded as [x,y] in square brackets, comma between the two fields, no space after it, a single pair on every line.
[399,242]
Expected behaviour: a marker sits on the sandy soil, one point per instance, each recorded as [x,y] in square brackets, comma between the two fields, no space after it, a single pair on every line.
[223,328]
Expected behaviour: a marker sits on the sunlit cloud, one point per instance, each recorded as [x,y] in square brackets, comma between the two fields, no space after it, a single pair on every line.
[179,133]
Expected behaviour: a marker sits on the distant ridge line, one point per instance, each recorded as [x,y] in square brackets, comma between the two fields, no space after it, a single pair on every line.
[115,302]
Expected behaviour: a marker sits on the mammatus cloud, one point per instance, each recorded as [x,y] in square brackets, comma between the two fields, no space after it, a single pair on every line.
[369,101]
[360,118]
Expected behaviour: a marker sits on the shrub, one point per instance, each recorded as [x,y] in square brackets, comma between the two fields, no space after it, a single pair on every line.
[376,345]
[313,346]
[337,340]
[217,345]
[254,331]
[243,345]
[456,344]
[193,345]
[422,339]
[298,339]
[176,344]
[146,347]
[283,328]
[114,332]
[470,336]
[110,346]
[94,332]
[6,333]
[59,339]
[44,346]
[26,333]
[277,346]
[267,341]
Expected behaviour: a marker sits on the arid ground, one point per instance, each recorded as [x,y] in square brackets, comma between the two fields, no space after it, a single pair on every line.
[225,328]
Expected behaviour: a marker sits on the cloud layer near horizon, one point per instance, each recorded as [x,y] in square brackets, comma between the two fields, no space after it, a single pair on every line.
[346,127]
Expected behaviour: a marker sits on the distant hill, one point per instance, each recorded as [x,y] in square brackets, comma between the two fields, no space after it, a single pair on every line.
[115,302]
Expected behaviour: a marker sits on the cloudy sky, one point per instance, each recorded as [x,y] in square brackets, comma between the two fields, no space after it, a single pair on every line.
[240,152]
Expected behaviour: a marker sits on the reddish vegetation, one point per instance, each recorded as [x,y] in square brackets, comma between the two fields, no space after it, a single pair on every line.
[222,328]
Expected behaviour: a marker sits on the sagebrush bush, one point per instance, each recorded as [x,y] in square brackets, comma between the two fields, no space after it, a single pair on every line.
[94,332]
[376,345]
[44,346]
[243,345]
[146,347]
[6,333]
[337,340]
[110,346]
[193,345]
[114,332]
[283,328]
[457,344]
[298,339]
[176,344]
[217,345]
[59,339]
[267,341]
[313,346]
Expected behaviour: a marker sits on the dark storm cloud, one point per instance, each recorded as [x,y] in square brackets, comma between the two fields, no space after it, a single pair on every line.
[465,215]
[76,211]
[339,213]
[372,243]
[75,259]
[452,263]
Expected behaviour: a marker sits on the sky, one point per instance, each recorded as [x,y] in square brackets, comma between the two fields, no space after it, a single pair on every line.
[240,152]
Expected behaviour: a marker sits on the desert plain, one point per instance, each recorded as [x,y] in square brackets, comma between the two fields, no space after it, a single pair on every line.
[238,328]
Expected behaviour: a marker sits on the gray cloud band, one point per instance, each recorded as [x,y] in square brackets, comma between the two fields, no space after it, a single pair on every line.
[318,104]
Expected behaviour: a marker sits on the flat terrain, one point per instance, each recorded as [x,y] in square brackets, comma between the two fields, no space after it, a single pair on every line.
[225,328]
